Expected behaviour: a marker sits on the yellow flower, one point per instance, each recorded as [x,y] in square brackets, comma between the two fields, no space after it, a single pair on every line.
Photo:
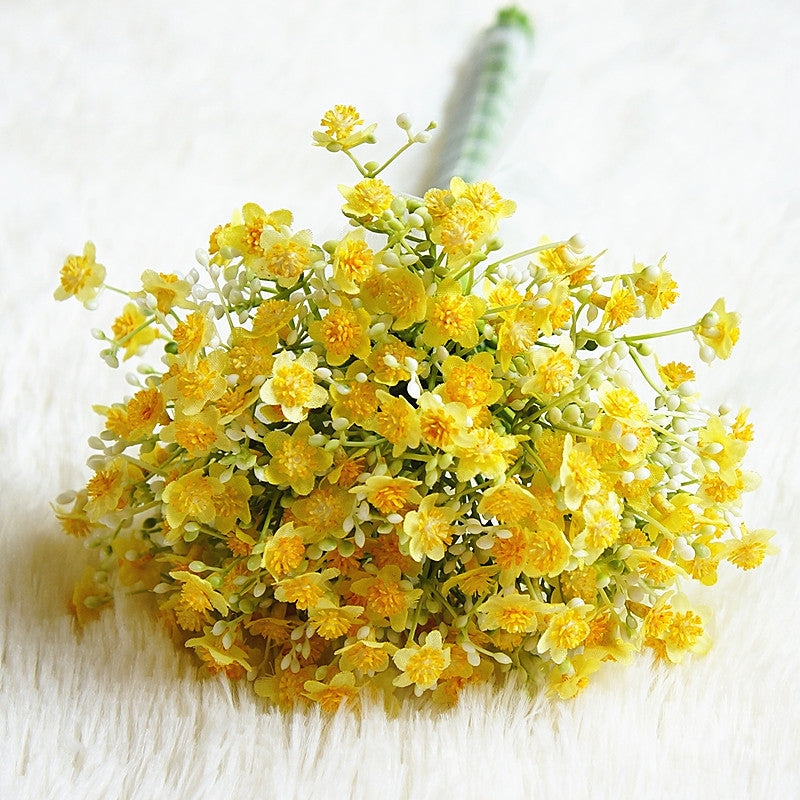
[368,656]
[191,335]
[518,333]
[285,257]
[361,402]
[726,451]
[508,502]
[128,331]
[401,294]
[292,385]
[750,549]
[601,526]
[397,422]
[81,276]
[622,405]
[106,488]
[368,198]
[422,664]
[440,422]
[340,121]
[343,130]
[295,461]
[452,317]
[198,434]
[717,332]
[193,388]
[306,591]
[88,598]
[579,474]
[470,381]
[461,230]
[502,297]
[272,316]
[561,261]
[554,370]
[198,593]
[145,410]
[566,630]
[656,288]
[482,451]
[388,595]
[329,696]
[428,530]
[243,235]
[322,513]
[168,290]
[232,501]
[515,613]
[389,495]
[343,333]
[549,551]
[284,551]
[674,373]
[353,262]
[250,357]
[484,197]
[387,361]
[191,496]
[331,621]
[620,307]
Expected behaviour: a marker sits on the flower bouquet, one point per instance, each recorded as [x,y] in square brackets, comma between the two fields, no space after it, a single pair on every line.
[404,461]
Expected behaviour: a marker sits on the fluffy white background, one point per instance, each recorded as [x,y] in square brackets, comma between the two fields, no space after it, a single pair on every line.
[650,127]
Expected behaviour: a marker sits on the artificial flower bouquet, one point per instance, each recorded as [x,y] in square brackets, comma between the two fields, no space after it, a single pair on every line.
[402,460]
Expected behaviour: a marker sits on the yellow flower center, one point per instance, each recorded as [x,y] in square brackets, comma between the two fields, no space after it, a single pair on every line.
[389,499]
[199,384]
[194,436]
[685,630]
[293,385]
[371,196]
[515,619]
[361,403]
[284,554]
[341,331]
[74,274]
[252,236]
[303,593]
[545,551]
[433,529]
[294,459]
[354,260]
[511,552]
[386,597]
[103,482]
[425,666]
[438,428]
[330,698]
[194,496]
[461,229]
[331,623]
[190,333]
[569,629]
[194,597]
[366,658]
[748,555]
[287,259]
[340,121]
[469,385]
[451,314]
[620,308]
[556,373]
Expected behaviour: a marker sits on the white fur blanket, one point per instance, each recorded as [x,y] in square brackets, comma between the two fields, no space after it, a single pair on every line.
[650,127]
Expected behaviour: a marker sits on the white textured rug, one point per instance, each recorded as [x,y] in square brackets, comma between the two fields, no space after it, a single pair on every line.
[649,127]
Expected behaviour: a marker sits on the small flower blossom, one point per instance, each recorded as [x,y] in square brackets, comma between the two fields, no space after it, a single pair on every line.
[81,276]
[293,387]
[422,664]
